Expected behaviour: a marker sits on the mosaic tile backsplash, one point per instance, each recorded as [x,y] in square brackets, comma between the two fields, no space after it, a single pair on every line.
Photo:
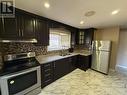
[14,48]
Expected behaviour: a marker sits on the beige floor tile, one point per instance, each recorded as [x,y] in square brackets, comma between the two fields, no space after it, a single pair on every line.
[90,82]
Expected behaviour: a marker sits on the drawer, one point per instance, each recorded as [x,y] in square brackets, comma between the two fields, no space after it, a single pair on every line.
[48,77]
[46,82]
[47,66]
[46,74]
[47,70]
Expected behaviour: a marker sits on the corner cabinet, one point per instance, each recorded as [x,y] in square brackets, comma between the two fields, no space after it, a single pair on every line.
[89,34]
[85,36]
[81,37]
[84,62]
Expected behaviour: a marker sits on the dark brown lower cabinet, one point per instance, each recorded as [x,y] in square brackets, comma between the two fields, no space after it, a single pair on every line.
[73,62]
[83,62]
[61,68]
[54,70]
[46,74]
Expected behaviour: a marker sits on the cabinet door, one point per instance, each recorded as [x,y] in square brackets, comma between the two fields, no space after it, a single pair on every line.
[73,36]
[88,36]
[9,28]
[83,62]
[73,63]
[61,68]
[85,36]
[1,27]
[42,32]
[81,37]
[21,82]
[28,26]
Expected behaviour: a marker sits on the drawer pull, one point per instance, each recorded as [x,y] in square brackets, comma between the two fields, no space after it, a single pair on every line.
[47,70]
[54,65]
[47,75]
[47,80]
[47,65]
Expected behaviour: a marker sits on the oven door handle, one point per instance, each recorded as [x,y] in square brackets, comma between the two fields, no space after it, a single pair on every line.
[21,72]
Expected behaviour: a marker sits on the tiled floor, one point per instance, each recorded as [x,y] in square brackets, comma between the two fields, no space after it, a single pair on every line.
[90,82]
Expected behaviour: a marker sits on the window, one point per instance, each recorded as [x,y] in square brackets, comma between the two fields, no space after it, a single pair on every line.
[59,39]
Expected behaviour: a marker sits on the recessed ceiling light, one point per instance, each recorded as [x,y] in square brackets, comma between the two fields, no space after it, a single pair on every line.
[47,5]
[81,22]
[115,12]
[90,13]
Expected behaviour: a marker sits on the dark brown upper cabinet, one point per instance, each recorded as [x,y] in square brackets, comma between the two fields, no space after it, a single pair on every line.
[73,31]
[20,27]
[8,28]
[42,32]
[1,26]
[89,33]
[27,26]
[85,36]
[54,24]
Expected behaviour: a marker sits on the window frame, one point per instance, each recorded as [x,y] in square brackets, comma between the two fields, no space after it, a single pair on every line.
[60,32]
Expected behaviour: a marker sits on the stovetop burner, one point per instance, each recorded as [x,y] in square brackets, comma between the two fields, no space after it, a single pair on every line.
[19,64]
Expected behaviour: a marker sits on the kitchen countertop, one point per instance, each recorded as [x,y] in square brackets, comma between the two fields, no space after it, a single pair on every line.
[42,59]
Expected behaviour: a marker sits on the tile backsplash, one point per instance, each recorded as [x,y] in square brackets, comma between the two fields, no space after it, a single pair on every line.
[14,48]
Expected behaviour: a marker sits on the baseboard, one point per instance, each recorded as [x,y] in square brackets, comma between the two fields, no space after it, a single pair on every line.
[121,69]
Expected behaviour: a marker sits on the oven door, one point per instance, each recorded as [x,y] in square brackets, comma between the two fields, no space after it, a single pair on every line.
[21,82]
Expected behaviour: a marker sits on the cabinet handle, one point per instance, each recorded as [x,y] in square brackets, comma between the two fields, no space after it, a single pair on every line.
[19,32]
[47,75]
[47,65]
[47,80]
[54,65]
[3,23]
[22,32]
[47,70]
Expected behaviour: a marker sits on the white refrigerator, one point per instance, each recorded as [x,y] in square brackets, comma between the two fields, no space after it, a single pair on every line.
[101,56]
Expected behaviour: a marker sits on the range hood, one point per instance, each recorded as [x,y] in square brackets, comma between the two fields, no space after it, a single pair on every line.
[18,41]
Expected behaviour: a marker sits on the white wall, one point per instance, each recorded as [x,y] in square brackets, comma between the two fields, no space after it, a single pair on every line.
[122,52]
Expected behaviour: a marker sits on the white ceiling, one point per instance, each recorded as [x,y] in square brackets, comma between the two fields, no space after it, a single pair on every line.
[71,12]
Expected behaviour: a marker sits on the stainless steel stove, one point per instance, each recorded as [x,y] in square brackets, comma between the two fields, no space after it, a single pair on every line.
[20,75]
